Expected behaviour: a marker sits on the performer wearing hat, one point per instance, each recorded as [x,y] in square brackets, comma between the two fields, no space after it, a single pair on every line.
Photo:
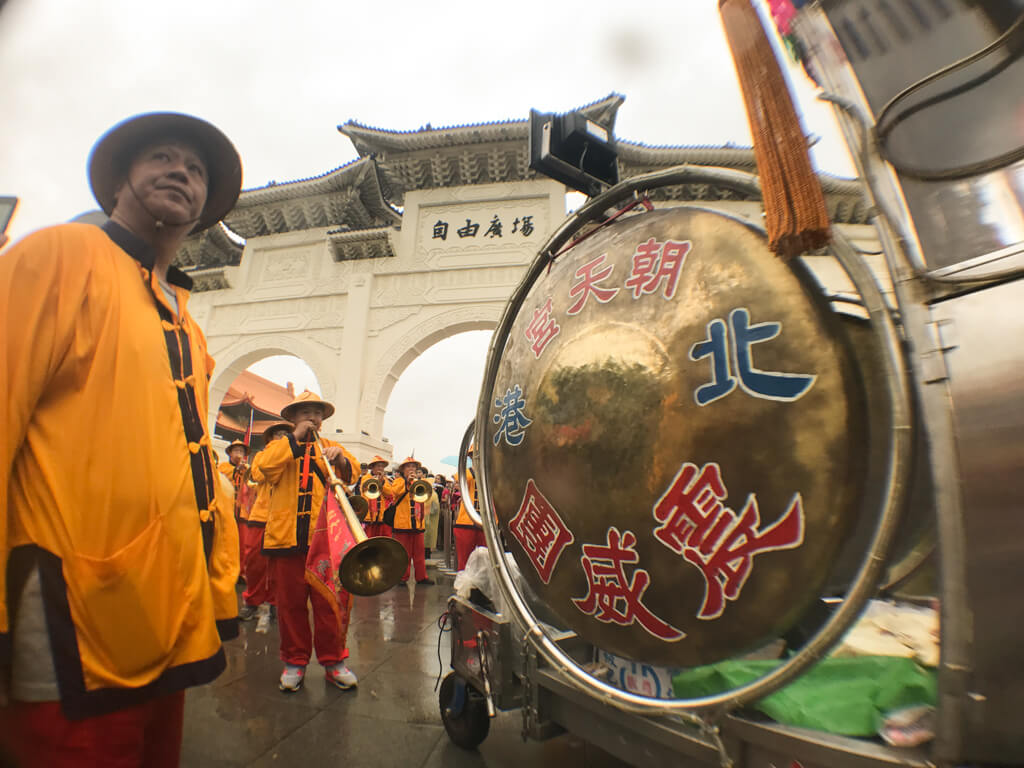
[373,522]
[433,515]
[468,535]
[116,587]
[259,593]
[295,469]
[410,520]
[236,470]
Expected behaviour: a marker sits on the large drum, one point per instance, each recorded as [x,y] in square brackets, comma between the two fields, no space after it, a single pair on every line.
[678,439]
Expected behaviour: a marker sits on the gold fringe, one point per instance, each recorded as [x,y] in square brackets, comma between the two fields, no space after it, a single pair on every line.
[795,213]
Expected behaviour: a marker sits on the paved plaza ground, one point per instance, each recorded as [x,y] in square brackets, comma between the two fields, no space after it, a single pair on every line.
[391,719]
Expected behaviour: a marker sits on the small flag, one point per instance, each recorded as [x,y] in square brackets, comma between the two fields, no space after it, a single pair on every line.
[248,432]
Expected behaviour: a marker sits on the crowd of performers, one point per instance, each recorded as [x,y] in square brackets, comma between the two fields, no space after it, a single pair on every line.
[278,498]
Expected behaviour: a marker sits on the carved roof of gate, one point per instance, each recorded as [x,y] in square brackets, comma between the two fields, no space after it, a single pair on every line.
[349,196]
[429,158]
[348,245]
[356,200]
[211,248]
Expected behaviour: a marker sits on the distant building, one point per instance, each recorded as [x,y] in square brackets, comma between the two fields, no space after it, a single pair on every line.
[253,395]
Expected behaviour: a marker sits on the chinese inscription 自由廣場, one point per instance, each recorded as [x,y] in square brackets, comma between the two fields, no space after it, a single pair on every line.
[523,225]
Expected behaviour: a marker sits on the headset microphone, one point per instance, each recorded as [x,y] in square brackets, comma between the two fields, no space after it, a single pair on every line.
[158,222]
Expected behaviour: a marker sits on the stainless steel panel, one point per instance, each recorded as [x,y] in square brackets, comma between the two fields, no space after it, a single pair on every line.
[986,370]
[964,117]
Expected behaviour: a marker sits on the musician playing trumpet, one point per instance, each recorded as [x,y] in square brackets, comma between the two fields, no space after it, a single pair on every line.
[468,535]
[379,493]
[296,470]
[258,595]
[236,469]
[411,505]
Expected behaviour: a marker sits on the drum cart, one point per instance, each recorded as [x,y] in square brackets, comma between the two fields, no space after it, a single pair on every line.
[517,678]
[953,254]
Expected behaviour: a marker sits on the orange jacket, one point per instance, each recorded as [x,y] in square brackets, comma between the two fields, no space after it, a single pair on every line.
[293,507]
[464,520]
[410,517]
[144,562]
[243,491]
[375,507]
[261,493]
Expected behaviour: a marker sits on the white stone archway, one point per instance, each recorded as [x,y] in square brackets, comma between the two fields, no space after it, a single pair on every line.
[360,270]
[359,322]
[392,364]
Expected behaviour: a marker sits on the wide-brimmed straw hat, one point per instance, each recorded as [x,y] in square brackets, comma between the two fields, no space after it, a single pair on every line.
[237,444]
[112,156]
[285,425]
[307,398]
[409,460]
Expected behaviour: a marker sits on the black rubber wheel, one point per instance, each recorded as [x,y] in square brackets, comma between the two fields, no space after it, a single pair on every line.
[471,727]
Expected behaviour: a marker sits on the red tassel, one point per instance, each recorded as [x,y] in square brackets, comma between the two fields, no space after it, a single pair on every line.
[795,213]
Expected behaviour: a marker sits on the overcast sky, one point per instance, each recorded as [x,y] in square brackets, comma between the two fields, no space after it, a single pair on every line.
[279,77]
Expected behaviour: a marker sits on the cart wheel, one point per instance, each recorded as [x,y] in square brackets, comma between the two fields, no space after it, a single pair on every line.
[470,727]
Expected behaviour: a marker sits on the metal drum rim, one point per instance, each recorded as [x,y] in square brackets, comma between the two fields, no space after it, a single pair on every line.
[896,481]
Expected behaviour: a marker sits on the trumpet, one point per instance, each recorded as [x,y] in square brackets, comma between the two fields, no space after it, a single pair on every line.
[369,566]
[420,491]
[371,489]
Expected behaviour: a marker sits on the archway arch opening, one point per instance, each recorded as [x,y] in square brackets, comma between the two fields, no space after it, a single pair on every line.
[435,398]
[255,395]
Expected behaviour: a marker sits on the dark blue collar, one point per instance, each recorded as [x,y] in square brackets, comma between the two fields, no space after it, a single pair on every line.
[143,253]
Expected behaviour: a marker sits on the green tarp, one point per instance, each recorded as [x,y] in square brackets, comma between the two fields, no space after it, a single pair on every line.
[846,696]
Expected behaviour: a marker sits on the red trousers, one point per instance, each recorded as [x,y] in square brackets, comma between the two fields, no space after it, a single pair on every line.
[466,540]
[258,589]
[377,529]
[144,736]
[413,543]
[292,595]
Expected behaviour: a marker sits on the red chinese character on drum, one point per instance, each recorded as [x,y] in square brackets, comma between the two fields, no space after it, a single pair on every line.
[614,598]
[542,329]
[655,263]
[587,283]
[697,525]
[540,531]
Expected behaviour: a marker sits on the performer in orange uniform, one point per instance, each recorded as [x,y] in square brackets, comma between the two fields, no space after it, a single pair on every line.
[410,520]
[236,470]
[373,522]
[296,472]
[116,586]
[468,535]
[259,593]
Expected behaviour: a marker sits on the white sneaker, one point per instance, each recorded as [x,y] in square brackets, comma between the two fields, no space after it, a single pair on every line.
[263,619]
[291,678]
[341,676]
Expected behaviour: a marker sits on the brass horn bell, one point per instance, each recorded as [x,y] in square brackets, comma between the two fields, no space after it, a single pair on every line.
[371,489]
[420,491]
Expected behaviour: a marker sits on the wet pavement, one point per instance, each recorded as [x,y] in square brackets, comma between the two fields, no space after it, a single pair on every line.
[391,719]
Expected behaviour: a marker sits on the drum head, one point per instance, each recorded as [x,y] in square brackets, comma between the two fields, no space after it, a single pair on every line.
[677,439]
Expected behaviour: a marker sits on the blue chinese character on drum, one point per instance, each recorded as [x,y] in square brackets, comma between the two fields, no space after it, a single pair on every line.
[767,385]
[511,420]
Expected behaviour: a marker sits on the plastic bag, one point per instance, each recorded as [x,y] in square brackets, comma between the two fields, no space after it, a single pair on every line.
[477,573]
[908,727]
